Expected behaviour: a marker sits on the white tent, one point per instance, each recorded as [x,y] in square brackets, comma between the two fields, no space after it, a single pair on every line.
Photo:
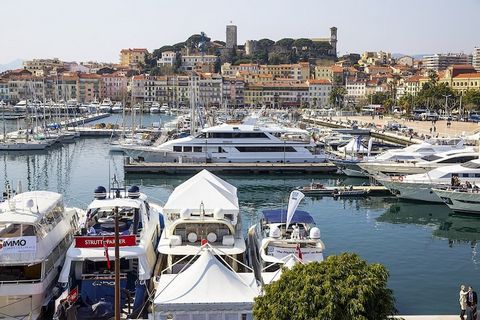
[207,287]
[203,188]
[353,147]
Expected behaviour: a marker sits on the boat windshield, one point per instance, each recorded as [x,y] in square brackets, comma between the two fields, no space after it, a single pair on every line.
[471,164]
[431,157]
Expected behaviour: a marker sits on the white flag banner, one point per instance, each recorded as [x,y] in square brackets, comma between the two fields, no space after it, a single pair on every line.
[295,198]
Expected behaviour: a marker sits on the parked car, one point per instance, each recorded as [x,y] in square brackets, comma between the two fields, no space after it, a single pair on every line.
[474,118]
[430,116]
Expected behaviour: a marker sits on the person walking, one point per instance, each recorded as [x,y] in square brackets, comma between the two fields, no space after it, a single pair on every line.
[472,304]
[463,301]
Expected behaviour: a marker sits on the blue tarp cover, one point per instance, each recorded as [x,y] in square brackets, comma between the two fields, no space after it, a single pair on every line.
[280,215]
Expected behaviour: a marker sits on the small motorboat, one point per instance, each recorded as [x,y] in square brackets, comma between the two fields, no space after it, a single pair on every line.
[349,192]
[315,188]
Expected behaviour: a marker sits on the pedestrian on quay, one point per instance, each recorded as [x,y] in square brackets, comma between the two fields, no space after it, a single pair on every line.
[434,129]
[463,301]
[472,304]
[430,130]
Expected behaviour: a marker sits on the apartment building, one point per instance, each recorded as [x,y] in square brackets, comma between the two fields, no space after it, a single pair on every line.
[439,62]
[319,92]
[132,57]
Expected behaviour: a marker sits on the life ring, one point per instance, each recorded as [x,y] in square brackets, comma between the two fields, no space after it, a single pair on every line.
[400,178]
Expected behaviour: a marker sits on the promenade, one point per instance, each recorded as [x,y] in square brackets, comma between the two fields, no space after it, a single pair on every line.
[456,129]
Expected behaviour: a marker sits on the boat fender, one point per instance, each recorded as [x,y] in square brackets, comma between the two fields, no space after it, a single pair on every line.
[211,237]
[192,237]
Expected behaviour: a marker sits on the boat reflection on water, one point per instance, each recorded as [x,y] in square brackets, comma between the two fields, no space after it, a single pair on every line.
[445,223]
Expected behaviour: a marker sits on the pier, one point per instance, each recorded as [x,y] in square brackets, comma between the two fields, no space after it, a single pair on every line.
[375,133]
[256,168]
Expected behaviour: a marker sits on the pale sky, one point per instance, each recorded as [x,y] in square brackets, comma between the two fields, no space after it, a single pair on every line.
[98,29]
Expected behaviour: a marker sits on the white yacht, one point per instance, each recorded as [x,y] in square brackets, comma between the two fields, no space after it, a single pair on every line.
[203,209]
[94,106]
[383,162]
[461,200]
[155,108]
[35,232]
[106,105]
[117,107]
[234,143]
[164,108]
[88,270]
[424,164]
[21,106]
[419,186]
[275,238]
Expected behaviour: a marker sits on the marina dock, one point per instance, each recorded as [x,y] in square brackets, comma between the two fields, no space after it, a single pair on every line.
[376,133]
[256,168]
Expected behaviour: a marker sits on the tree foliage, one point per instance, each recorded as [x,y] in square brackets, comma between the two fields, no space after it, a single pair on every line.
[341,287]
[472,97]
[337,95]
[265,44]
[378,98]
[303,42]
[285,43]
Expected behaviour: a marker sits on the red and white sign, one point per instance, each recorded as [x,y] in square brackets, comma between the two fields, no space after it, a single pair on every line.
[73,295]
[101,242]
[26,244]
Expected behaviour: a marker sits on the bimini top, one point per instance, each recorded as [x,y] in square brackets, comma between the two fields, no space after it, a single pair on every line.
[280,215]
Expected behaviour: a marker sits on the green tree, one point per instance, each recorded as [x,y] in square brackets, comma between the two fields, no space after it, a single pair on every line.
[178,46]
[377,98]
[406,102]
[341,287]
[265,44]
[157,53]
[337,95]
[285,43]
[472,97]
[303,42]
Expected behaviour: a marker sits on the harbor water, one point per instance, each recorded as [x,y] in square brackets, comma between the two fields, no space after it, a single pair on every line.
[428,251]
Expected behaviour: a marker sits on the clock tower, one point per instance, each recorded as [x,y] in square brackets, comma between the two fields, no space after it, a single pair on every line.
[333,40]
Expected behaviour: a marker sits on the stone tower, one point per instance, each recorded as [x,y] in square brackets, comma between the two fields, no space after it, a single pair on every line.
[333,40]
[231,40]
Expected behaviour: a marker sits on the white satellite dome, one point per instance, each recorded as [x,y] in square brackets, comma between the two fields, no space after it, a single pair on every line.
[315,233]
[275,232]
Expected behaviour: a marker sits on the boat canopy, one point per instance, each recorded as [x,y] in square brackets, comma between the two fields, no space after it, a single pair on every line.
[29,207]
[280,215]
[203,188]
[207,282]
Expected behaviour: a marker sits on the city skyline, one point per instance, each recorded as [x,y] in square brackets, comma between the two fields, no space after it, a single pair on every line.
[97,31]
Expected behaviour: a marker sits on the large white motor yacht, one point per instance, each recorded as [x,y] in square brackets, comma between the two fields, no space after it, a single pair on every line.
[424,164]
[202,209]
[461,200]
[88,271]
[106,105]
[35,232]
[234,143]
[414,153]
[419,186]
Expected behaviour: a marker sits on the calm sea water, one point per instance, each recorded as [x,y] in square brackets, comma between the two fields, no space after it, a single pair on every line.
[428,251]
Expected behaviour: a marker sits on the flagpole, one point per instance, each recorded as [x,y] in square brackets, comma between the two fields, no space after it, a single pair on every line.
[117,267]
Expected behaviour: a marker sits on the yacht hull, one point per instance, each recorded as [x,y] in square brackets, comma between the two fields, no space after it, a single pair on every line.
[412,191]
[462,202]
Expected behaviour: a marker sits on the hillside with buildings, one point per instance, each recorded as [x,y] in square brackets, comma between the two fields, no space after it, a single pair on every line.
[284,73]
